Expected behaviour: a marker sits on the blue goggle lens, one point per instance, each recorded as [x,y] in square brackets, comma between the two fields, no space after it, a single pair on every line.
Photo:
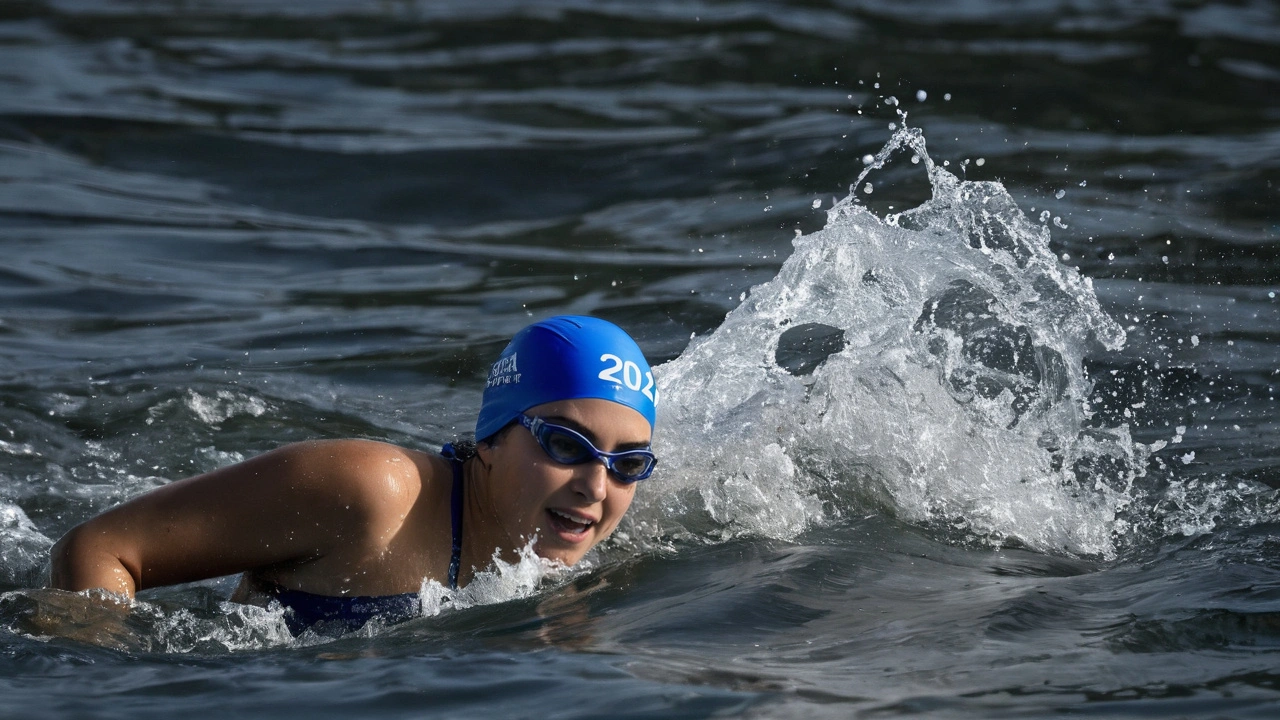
[568,447]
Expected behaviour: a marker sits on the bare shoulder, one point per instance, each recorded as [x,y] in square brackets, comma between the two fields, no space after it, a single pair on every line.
[319,505]
[367,473]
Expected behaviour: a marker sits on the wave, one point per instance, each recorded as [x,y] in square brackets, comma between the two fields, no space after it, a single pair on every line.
[927,365]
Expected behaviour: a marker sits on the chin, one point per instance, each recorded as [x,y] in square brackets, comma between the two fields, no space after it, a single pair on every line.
[567,556]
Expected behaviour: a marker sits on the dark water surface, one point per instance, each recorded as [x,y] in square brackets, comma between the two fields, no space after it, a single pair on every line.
[230,225]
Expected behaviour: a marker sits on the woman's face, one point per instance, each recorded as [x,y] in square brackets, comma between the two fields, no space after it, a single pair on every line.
[569,508]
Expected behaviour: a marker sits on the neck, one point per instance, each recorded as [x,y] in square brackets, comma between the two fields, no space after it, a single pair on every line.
[481,532]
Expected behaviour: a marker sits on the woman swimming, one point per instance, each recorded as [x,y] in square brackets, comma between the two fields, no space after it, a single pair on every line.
[341,531]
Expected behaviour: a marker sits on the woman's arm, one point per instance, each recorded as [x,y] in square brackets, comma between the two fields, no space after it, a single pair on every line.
[292,505]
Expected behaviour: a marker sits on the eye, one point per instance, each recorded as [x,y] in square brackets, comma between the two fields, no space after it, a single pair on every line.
[565,447]
[631,465]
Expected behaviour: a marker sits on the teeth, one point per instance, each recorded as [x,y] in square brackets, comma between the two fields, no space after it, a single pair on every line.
[574,519]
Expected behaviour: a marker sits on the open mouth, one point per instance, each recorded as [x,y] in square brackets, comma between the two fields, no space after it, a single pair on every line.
[568,523]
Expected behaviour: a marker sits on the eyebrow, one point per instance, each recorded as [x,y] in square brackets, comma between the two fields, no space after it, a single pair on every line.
[622,447]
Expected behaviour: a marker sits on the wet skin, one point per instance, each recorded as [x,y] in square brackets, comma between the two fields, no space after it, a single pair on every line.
[356,517]
[569,508]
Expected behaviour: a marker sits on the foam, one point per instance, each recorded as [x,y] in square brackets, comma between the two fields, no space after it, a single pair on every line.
[958,400]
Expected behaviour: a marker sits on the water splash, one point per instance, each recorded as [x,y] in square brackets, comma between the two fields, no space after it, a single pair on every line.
[210,410]
[956,397]
[195,619]
[24,550]
[526,576]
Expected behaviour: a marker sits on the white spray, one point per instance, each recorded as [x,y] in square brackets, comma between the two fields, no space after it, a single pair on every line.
[958,400]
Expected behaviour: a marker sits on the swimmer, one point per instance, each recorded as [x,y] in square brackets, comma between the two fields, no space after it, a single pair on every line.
[342,531]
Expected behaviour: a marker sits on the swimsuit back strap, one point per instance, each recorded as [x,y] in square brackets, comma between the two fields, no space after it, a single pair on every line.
[455,512]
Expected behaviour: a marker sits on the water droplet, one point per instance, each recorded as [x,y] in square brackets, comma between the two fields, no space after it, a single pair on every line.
[1060,194]
[921,95]
[868,159]
[947,97]
[1195,341]
[817,203]
[980,162]
[1084,183]
[867,188]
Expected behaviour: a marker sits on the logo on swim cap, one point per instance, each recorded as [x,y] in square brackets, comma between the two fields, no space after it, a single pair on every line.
[565,358]
[503,372]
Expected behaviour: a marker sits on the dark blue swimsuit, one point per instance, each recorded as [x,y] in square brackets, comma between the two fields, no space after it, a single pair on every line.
[332,615]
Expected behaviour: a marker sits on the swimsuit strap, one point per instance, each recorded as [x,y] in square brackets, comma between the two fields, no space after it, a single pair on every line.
[455,512]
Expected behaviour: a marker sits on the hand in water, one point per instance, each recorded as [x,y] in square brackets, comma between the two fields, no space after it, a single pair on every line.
[93,617]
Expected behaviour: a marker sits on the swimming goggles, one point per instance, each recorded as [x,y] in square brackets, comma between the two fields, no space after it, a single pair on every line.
[569,447]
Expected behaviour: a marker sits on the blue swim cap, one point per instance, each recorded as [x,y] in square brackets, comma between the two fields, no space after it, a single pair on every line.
[565,358]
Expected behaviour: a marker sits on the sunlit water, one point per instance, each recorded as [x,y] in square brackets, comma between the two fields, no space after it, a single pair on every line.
[963,314]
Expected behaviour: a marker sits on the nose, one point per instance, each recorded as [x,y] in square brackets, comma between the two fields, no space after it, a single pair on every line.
[592,481]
